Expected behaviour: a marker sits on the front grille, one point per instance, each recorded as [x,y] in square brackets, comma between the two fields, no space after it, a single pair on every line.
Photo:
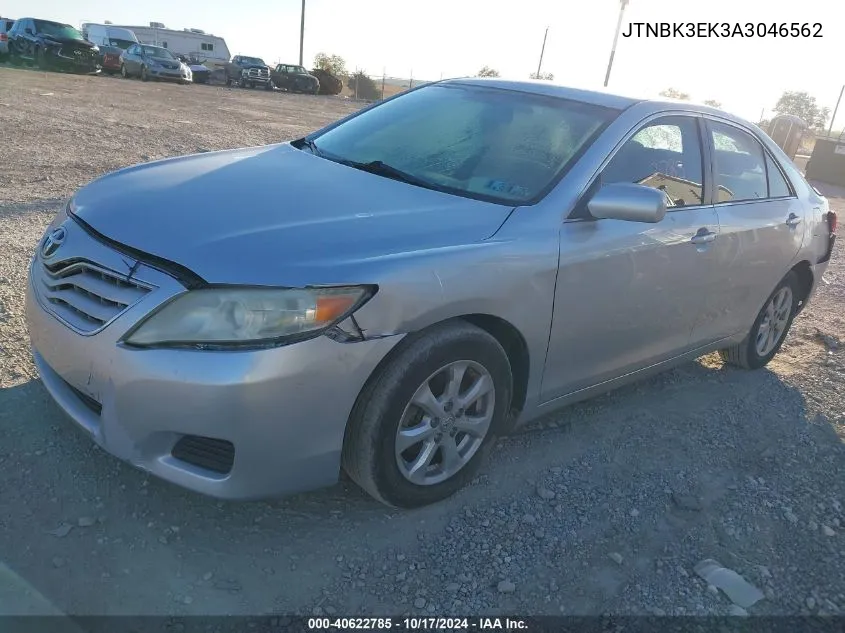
[258,72]
[206,452]
[85,296]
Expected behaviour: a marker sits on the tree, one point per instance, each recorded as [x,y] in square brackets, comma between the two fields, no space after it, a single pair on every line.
[671,93]
[334,64]
[804,106]
[712,103]
[366,87]
[544,76]
[487,72]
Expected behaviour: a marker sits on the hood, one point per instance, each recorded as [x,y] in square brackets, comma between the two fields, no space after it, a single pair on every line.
[164,60]
[198,68]
[245,65]
[276,215]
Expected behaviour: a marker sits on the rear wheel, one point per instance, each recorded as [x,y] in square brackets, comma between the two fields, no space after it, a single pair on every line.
[769,329]
[422,425]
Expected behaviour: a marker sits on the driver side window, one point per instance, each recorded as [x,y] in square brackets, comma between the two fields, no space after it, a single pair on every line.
[664,154]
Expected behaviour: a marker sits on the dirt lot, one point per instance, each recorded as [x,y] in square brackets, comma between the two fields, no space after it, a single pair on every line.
[604,508]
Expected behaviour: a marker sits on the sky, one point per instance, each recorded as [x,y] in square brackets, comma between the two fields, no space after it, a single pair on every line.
[428,39]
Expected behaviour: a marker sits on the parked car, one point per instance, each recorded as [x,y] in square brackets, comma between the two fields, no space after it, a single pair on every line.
[329,84]
[5,26]
[444,265]
[200,72]
[112,41]
[248,72]
[51,45]
[294,79]
[153,62]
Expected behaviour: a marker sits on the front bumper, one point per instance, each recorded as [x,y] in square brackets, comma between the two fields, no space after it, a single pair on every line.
[76,61]
[166,74]
[283,410]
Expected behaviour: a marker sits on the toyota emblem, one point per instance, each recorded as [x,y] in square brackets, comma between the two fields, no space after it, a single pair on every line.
[52,242]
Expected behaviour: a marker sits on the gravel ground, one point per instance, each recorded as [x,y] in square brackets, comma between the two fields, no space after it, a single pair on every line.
[604,507]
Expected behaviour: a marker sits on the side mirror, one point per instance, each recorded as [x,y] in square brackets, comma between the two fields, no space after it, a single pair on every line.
[627,201]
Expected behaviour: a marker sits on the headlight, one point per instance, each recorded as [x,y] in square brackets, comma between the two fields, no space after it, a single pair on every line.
[235,316]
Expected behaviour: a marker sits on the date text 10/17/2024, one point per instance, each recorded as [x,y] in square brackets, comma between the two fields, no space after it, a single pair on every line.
[418,624]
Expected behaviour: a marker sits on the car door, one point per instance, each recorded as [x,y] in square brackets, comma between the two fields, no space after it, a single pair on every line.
[22,38]
[761,228]
[131,60]
[628,293]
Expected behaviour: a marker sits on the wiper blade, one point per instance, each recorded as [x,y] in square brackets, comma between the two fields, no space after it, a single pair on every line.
[381,168]
[311,145]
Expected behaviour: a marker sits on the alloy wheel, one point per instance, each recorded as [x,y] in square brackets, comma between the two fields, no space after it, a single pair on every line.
[445,423]
[775,320]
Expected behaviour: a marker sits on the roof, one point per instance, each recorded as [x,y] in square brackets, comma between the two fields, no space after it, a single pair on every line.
[161,30]
[551,89]
[595,97]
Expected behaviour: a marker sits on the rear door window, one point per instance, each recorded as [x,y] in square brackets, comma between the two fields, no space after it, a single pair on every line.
[778,187]
[740,164]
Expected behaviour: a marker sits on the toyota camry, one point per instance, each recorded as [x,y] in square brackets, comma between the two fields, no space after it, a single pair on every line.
[445,265]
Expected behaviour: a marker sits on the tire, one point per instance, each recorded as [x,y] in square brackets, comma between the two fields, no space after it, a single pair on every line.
[228,82]
[144,75]
[123,72]
[384,407]
[14,60]
[748,354]
[268,86]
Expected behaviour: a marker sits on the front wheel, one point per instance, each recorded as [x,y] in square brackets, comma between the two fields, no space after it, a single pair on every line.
[123,72]
[422,425]
[769,329]
[145,76]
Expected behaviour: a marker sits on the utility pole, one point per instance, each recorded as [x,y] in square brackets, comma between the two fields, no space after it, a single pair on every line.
[301,32]
[542,51]
[622,4]
[830,129]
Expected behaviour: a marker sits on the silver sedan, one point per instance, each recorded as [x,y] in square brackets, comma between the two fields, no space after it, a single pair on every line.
[443,266]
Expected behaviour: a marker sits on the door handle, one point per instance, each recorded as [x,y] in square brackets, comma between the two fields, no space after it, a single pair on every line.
[793,220]
[703,236]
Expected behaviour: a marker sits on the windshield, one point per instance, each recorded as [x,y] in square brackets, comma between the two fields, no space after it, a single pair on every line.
[499,145]
[297,70]
[155,51]
[253,60]
[124,44]
[56,29]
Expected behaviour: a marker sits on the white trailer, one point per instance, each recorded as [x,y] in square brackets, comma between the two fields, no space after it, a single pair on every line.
[211,49]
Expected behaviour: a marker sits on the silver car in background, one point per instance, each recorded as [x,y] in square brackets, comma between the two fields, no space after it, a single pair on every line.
[444,265]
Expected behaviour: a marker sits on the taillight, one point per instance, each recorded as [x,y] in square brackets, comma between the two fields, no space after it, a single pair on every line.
[4,37]
[832,221]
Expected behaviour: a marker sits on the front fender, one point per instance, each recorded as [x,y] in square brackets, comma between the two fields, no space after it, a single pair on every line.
[513,281]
